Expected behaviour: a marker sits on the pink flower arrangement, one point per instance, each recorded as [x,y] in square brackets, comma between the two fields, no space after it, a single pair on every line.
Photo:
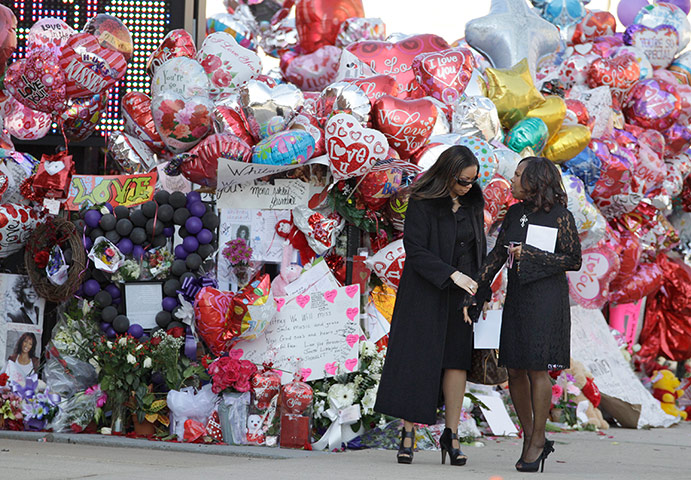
[557,392]
[237,252]
[231,373]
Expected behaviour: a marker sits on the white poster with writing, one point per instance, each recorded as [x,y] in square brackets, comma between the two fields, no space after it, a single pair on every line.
[282,195]
[320,328]
[232,173]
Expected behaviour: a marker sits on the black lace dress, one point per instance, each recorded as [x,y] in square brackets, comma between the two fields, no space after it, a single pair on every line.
[536,323]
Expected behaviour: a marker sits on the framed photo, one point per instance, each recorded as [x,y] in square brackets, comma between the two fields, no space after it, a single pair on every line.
[19,302]
[143,302]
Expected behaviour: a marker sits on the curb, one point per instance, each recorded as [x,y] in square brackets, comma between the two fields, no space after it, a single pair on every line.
[97,440]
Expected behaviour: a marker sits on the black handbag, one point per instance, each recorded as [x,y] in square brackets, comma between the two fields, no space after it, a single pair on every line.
[485,369]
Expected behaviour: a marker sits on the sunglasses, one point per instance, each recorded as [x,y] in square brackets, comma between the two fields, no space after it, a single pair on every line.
[465,183]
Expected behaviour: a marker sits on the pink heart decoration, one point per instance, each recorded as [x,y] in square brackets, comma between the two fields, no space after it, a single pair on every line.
[352,149]
[88,67]
[352,340]
[305,373]
[396,59]
[660,44]
[444,75]
[181,122]
[302,300]
[330,296]
[38,82]
[279,303]
[351,290]
[330,368]
[351,313]
[314,71]
[236,353]
[589,286]
[350,364]
[406,124]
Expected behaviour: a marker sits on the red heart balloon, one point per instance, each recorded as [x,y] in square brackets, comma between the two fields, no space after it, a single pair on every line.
[90,68]
[202,167]
[296,397]
[265,386]
[139,121]
[211,307]
[619,73]
[406,124]
[444,75]
[378,186]
[318,21]
[652,104]
[377,86]
[314,71]
[594,25]
[8,35]
[37,81]
[178,43]
[396,59]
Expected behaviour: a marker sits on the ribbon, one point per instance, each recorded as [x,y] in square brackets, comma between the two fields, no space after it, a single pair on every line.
[192,286]
[339,431]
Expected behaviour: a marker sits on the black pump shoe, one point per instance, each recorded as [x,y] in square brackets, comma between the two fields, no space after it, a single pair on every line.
[405,454]
[522,466]
[456,456]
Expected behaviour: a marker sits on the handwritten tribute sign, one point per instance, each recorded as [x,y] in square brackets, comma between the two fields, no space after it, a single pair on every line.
[321,328]
[127,190]
[283,195]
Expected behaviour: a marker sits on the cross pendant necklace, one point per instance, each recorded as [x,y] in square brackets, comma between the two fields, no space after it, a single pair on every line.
[523,220]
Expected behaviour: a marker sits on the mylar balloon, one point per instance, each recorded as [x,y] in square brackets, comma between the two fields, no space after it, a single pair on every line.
[227,64]
[552,112]
[652,104]
[662,13]
[567,143]
[513,92]
[48,33]
[388,263]
[407,124]
[8,35]
[177,43]
[181,75]
[17,222]
[227,23]
[139,121]
[529,132]
[269,110]
[79,120]
[589,286]
[37,81]
[318,21]
[211,309]
[181,122]
[284,148]
[111,33]
[240,323]
[484,153]
[26,124]
[202,165]
[378,186]
[316,70]
[660,44]
[444,75]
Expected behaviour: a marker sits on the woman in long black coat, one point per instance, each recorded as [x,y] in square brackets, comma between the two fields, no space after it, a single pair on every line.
[430,343]
[536,322]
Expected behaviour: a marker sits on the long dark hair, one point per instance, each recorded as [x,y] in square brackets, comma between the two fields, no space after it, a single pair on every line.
[542,184]
[20,342]
[438,180]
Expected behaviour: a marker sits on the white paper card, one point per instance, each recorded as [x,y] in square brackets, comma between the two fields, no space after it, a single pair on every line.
[544,238]
[487,330]
[318,278]
[320,328]
[496,415]
[143,302]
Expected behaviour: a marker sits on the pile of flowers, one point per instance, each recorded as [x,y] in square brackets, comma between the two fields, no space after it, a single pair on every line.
[563,405]
[231,374]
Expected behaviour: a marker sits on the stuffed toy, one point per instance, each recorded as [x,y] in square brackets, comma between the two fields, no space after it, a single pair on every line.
[289,272]
[666,388]
[588,399]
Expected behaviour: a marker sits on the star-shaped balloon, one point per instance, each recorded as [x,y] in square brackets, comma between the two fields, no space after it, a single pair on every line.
[511,32]
[513,92]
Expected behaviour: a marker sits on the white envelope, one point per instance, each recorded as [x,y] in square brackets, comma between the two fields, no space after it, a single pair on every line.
[544,238]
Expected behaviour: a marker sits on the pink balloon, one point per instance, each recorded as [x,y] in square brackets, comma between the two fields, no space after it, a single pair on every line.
[314,71]
[444,75]
[37,81]
[26,124]
[589,286]
[8,35]
[48,33]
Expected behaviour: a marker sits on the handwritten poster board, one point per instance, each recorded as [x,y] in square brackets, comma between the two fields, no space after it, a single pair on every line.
[232,173]
[283,195]
[321,328]
[127,190]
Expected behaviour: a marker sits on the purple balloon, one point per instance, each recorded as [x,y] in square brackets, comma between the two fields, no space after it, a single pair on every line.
[80,291]
[169,231]
[91,287]
[138,252]
[88,243]
[683,4]
[194,225]
[109,207]
[190,244]
[105,326]
[92,217]
[135,330]
[197,209]
[193,197]
[111,333]
[628,9]
[169,303]
[125,245]
[205,236]
[113,290]
[180,252]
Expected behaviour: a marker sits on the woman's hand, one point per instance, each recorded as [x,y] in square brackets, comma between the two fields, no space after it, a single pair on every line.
[466,317]
[464,282]
[515,250]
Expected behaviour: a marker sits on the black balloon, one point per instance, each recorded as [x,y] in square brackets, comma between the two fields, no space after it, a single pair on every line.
[103,298]
[138,236]
[138,218]
[179,267]
[154,227]
[107,222]
[165,213]
[162,197]
[109,313]
[113,236]
[210,220]
[95,233]
[121,211]
[121,323]
[181,215]
[177,199]
[159,241]
[171,287]
[163,318]
[149,209]
[205,250]
[124,227]
[193,261]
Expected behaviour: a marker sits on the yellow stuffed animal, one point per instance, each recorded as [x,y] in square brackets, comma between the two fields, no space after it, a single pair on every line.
[666,389]
[583,379]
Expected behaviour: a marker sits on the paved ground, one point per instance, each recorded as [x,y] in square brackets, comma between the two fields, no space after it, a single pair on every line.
[620,454]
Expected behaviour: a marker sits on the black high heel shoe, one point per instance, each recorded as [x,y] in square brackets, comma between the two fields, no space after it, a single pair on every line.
[523,466]
[405,454]
[456,456]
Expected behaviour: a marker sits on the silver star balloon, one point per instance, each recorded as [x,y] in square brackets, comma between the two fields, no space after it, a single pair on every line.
[511,32]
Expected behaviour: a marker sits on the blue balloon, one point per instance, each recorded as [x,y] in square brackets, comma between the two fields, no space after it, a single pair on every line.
[289,147]
[585,166]
[563,13]
[529,132]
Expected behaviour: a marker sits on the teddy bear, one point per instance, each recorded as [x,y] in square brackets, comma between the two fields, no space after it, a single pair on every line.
[255,434]
[588,399]
[666,388]
[288,274]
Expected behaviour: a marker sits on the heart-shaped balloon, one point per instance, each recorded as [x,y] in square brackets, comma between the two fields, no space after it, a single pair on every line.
[265,386]
[318,21]
[320,230]
[379,185]
[8,35]
[289,147]
[230,118]
[181,122]
[131,154]
[316,70]
[181,75]
[37,81]
[598,102]
[269,110]
[574,69]
[589,286]
[177,43]
[89,68]
[568,142]
[242,31]
[309,123]
[352,148]
[498,199]
[201,166]
[26,124]
[577,113]
[407,124]
[619,73]
[296,396]
[396,59]
[444,75]
[139,121]
[388,263]
[593,25]
[615,173]
[652,104]
[227,64]
[48,33]
[111,33]
[678,139]
[659,44]
[79,120]
[377,86]
[211,308]
[17,222]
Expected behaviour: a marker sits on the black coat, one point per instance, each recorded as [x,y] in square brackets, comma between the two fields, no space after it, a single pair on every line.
[411,377]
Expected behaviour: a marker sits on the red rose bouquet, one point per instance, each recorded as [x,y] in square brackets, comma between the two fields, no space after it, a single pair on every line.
[231,373]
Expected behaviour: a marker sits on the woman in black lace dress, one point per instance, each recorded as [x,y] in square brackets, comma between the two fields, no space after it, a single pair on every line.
[536,323]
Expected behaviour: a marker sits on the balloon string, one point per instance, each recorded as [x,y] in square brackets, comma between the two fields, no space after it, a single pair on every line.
[64,136]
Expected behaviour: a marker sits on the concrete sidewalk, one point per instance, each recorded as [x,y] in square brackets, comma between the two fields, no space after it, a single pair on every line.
[619,454]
